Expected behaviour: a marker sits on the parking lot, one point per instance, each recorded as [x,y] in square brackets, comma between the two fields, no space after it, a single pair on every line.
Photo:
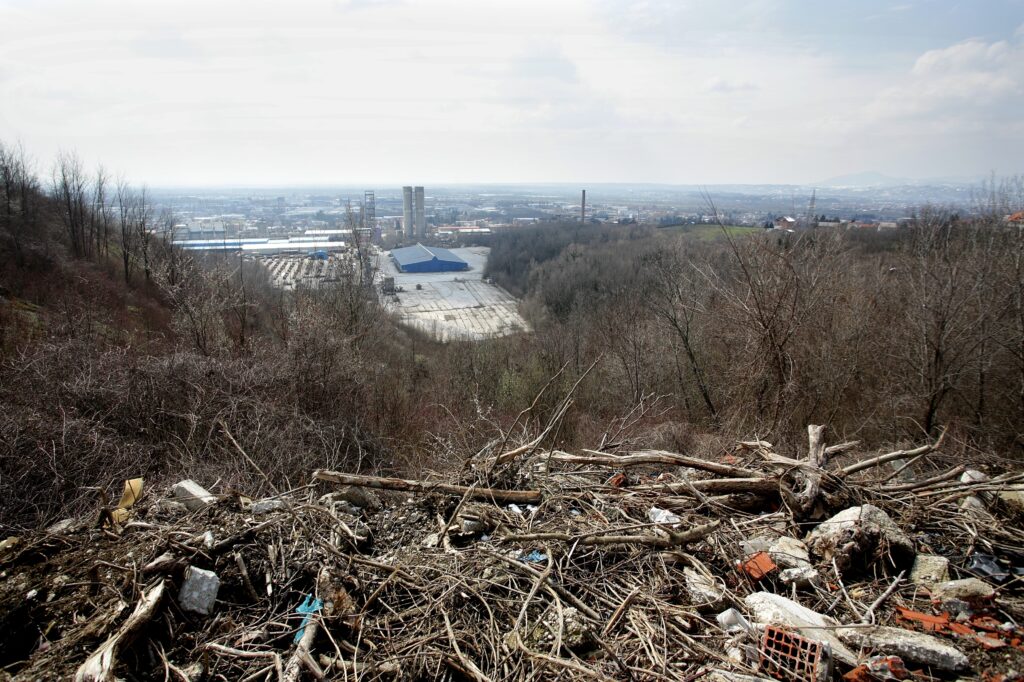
[453,305]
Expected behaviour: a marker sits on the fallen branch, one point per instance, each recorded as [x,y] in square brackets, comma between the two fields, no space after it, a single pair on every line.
[406,485]
[643,457]
[673,539]
[891,456]
[713,485]
[99,667]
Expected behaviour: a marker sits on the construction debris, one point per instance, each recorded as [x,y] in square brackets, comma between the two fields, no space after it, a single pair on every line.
[193,495]
[199,590]
[533,563]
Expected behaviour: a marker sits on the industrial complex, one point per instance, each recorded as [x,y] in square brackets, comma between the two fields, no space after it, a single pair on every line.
[421,258]
[448,304]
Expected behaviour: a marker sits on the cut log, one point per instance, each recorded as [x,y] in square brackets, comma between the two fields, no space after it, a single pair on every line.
[407,485]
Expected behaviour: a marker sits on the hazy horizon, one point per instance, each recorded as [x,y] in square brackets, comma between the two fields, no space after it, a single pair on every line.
[385,92]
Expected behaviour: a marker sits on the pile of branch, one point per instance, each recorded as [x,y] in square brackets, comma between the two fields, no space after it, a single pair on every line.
[530,563]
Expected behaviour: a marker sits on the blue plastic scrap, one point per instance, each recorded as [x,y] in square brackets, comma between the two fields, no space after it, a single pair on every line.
[536,556]
[307,608]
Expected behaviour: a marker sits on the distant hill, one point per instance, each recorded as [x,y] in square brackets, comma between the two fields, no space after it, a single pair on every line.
[868,179]
[865,179]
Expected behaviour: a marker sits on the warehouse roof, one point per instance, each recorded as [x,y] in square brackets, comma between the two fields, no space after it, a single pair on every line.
[421,254]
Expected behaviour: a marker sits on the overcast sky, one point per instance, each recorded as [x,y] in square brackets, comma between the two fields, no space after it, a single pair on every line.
[378,92]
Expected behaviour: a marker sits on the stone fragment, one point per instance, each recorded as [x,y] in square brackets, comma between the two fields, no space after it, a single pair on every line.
[359,497]
[704,592]
[1013,498]
[972,591]
[789,552]
[859,536]
[193,495]
[801,576]
[760,543]
[62,526]
[172,507]
[266,506]
[929,569]
[774,609]
[725,676]
[911,646]
[199,591]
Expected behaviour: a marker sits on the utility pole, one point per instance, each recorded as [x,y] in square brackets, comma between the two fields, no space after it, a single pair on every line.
[583,207]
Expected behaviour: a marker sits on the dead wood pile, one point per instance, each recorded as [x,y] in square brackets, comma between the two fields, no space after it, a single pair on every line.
[539,564]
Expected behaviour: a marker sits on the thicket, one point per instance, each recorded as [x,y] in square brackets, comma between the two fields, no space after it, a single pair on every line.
[120,355]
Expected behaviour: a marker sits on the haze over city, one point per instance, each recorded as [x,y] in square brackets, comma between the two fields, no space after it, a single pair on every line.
[379,91]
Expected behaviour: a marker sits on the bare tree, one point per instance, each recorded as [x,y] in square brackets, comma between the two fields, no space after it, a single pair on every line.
[126,210]
[70,192]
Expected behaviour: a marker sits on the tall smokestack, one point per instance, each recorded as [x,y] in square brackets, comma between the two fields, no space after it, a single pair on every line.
[407,224]
[420,216]
[583,207]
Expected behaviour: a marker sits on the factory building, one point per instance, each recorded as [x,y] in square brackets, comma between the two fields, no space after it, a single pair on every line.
[421,258]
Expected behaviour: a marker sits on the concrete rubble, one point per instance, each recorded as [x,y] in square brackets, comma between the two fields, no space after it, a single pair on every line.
[861,534]
[533,566]
[199,591]
[929,569]
[193,495]
[913,647]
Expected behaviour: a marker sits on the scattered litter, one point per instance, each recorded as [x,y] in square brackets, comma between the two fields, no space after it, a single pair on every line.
[466,577]
[788,656]
[306,609]
[663,516]
[879,667]
[536,557]
[987,566]
[131,493]
[758,566]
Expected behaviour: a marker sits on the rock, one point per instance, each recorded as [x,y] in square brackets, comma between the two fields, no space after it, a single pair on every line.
[789,552]
[704,592]
[979,502]
[360,497]
[773,609]
[723,676]
[267,506]
[858,536]
[172,507]
[193,495]
[929,569]
[801,576]
[1013,498]
[199,591]
[761,543]
[62,526]
[971,591]
[915,647]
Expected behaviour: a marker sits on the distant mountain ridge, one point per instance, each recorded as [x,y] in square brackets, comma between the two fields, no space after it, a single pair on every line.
[868,179]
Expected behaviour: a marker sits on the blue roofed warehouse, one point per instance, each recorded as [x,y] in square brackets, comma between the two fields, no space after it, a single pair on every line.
[421,258]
